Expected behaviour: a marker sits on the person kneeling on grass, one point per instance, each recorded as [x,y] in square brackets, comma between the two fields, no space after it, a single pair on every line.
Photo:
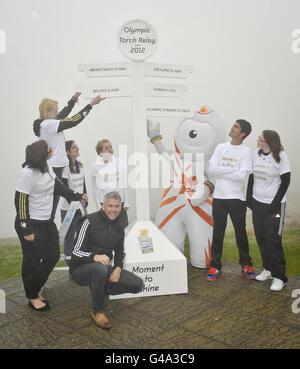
[99,234]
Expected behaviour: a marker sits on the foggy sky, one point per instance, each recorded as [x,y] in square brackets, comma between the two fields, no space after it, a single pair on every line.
[241,51]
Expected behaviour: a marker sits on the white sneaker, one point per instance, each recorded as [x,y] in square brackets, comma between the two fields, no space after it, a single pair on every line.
[277,285]
[264,276]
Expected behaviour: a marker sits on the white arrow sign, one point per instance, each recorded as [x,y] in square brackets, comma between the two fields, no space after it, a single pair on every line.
[168,70]
[169,111]
[165,90]
[112,90]
[105,69]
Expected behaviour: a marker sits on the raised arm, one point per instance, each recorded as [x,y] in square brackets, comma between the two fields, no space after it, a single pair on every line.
[67,109]
[68,123]
[153,132]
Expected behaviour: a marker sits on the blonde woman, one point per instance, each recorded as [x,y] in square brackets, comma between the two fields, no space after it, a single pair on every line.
[51,125]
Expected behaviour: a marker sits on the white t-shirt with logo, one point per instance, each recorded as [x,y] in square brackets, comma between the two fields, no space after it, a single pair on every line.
[266,173]
[40,188]
[56,140]
[230,165]
[75,183]
[108,177]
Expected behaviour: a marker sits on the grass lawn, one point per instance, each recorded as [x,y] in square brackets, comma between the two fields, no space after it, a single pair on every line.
[291,247]
[11,261]
[11,255]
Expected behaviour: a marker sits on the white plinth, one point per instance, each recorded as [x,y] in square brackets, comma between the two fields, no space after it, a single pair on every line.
[164,271]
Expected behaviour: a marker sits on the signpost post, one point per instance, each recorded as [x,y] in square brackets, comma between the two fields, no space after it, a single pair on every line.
[149,253]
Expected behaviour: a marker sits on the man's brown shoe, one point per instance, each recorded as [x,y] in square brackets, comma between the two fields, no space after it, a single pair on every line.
[101,320]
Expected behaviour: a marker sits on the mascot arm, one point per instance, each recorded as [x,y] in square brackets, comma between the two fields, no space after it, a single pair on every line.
[200,196]
[153,132]
[207,188]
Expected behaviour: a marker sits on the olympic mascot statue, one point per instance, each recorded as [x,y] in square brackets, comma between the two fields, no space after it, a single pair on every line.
[186,205]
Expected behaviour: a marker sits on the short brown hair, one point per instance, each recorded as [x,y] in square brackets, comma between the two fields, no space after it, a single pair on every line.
[100,145]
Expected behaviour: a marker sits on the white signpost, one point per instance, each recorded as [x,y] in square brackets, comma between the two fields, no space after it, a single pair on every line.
[149,254]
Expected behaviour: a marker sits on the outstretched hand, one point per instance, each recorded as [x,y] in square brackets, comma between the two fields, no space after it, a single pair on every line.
[96,100]
[76,96]
[153,129]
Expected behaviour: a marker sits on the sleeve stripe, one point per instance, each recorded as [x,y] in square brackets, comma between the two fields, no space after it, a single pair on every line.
[73,119]
[22,205]
[81,236]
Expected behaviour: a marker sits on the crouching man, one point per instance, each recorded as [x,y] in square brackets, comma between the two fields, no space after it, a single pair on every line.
[99,235]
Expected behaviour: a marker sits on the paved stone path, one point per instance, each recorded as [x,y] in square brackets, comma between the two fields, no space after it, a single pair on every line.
[229,313]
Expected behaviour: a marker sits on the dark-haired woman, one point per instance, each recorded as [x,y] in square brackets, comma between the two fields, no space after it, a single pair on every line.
[266,191]
[51,126]
[36,186]
[73,178]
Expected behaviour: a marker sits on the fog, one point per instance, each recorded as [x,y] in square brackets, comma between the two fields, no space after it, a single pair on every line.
[244,53]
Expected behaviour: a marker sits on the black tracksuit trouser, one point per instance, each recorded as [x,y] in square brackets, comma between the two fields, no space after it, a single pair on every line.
[268,226]
[237,211]
[39,256]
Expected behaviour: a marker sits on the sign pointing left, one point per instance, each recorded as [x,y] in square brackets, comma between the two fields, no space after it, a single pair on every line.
[105,69]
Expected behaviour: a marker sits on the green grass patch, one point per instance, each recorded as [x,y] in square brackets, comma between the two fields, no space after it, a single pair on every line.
[291,248]
[11,255]
[11,261]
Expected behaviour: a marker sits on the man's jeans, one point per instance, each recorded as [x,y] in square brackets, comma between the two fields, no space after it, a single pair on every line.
[96,275]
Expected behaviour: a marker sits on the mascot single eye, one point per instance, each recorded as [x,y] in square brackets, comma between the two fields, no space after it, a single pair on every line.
[195,133]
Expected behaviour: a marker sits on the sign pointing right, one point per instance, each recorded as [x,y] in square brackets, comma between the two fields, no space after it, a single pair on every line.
[168,70]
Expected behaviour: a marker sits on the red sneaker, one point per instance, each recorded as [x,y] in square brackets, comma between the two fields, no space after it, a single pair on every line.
[212,274]
[248,272]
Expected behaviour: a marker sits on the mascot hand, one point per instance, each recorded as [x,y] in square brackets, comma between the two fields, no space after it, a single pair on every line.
[153,129]
[197,200]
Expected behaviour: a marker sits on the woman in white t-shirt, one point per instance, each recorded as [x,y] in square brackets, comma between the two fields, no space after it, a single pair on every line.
[36,186]
[51,126]
[73,178]
[109,174]
[266,191]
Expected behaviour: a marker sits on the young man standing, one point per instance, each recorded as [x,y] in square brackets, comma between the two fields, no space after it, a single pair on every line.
[230,164]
